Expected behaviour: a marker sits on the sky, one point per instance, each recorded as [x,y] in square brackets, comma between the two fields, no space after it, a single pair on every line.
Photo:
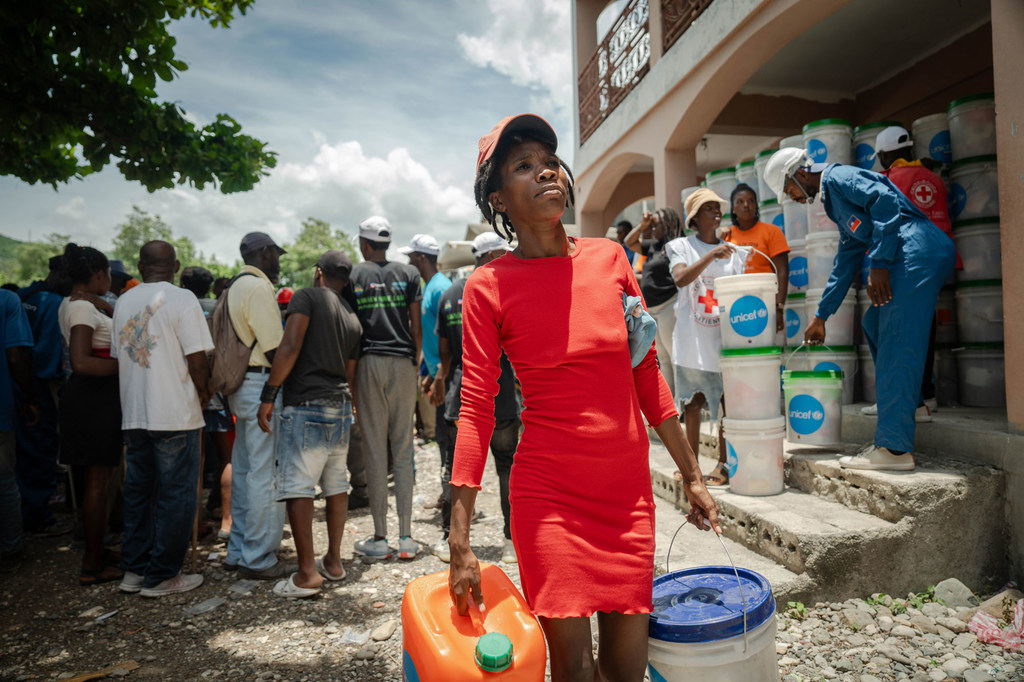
[372,108]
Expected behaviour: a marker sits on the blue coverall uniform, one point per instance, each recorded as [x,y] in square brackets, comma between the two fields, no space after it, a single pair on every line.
[874,216]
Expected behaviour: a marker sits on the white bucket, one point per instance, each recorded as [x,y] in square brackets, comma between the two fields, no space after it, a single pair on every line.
[864,155]
[981,370]
[760,161]
[974,189]
[754,454]
[750,382]
[792,141]
[746,305]
[817,219]
[945,317]
[722,182]
[821,254]
[836,358]
[839,327]
[794,217]
[867,373]
[979,311]
[771,212]
[931,138]
[946,380]
[796,318]
[813,407]
[696,628]
[978,243]
[972,126]
[684,195]
[828,140]
[797,265]
[746,173]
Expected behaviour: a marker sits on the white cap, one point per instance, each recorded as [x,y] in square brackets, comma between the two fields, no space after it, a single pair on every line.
[421,243]
[376,228]
[487,242]
[782,165]
[893,138]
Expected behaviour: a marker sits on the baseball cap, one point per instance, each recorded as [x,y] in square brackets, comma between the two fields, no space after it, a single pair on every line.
[421,243]
[285,295]
[512,124]
[254,241]
[376,228]
[117,267]
[893,138]
[701,197]
[335,263]
[487,242]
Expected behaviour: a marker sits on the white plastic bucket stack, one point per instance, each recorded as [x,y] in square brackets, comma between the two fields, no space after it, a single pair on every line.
[979,311]
[792,141]
[972,125]
[746,174]
[947,391]
[974,188]
[836,358]
[945,317]
[813,407]
[760,161]
[829,140]
[817,219]
[754,454]
[696,630]
[981,373]
[863,303]
[746,305]
[794,217]
[797,265]
[771,212]
[796,318]
[864,155]
[839,327]
[931,138]
[750,382]
[977,241]
[821,254]
[867,373]
[722,182]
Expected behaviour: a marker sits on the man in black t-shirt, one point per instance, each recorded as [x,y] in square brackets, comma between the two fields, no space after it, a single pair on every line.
[447,388]
[386,297]
[315,363]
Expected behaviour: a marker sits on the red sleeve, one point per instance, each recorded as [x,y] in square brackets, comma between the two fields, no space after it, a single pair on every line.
[651,390]
[480,371]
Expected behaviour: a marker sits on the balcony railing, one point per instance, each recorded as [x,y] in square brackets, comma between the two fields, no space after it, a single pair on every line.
[621,60]
[676,17]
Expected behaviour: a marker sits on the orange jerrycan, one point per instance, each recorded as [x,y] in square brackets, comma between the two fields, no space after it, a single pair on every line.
[502,642]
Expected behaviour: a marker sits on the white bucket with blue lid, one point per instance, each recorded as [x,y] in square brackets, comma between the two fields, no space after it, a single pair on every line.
[798,279]
[746,305]
[707,626]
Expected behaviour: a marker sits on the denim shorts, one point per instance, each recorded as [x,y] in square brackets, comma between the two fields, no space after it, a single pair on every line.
[312,449]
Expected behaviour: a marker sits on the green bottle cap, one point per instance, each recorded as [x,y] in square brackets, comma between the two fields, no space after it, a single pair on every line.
[493,652]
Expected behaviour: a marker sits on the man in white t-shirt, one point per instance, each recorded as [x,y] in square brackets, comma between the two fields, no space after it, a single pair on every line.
[160,343]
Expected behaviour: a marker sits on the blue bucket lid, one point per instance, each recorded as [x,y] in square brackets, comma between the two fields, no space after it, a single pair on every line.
[703,604]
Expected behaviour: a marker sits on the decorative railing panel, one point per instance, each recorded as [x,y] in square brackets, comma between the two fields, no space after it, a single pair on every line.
[676,17]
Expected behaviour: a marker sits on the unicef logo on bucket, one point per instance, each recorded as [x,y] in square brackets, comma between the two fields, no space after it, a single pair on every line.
[817,150]
[748,316]
[732,460]
[865,155]
[957,200]
[792,323]
[827,367]
[806,414]
[798,271]
[939,147]
[779,221]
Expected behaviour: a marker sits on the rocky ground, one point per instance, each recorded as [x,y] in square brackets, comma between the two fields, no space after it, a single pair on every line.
[54,629]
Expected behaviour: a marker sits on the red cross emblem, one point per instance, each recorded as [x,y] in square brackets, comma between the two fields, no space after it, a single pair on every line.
[708,300]
[923,193]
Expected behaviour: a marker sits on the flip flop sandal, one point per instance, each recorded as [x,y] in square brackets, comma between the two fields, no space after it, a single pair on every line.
[326,574]
[289,590]
[718,477]
[107,574]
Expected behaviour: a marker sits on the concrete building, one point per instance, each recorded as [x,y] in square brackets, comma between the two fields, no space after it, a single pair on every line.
[676,88]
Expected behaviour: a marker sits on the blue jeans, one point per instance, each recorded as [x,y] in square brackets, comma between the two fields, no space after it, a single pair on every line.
[160,494]
[37,456]
[257,520]
[10,499]
[312,449]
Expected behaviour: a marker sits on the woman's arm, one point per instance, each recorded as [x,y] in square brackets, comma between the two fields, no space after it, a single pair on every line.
[284,361]
[702,505]
[82,360]
[632,240]
[464,570]
[684,275]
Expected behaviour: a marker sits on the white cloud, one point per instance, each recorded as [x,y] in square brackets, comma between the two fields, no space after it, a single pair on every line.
[74,209]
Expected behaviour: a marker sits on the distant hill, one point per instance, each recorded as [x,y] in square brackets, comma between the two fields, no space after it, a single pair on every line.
[8,247]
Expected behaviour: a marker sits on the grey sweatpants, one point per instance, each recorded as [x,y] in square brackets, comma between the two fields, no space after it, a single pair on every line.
[386,389]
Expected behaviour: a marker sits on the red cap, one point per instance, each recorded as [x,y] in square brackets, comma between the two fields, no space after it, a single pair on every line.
[511,124]
[284,295]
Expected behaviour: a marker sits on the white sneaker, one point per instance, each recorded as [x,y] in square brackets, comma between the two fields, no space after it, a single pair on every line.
[183,582]
[508,553]
[932,404]
[442,551]
[408,548]
[373,548]
[878,458]
[923,414]
[870,410]
[131,582]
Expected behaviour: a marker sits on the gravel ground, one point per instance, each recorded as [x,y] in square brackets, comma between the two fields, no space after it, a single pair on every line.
[54,629]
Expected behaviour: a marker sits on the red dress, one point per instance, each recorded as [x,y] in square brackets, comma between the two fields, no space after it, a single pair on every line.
[582,505]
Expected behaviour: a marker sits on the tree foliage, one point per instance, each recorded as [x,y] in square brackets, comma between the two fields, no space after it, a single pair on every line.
[315,237]
[79,83]
[141,227]
[34,257]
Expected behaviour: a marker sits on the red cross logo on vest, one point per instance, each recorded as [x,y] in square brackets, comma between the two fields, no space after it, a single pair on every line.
[708,300]
[923,193]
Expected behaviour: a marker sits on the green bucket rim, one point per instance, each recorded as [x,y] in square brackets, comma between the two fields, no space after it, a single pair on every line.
[826,122]
[741,352]
[767,202]
[765,152]
[970,98]
[877,124]
[977,345]
[719,171]
[797,294]
[984,158]
[976,283]
[822,375]
[745,164]
[971,222]
[831,349]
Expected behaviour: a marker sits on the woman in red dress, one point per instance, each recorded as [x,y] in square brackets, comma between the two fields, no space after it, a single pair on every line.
[582,505]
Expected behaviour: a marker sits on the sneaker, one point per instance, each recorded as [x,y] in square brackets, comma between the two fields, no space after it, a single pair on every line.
[508,553]
[273,572]
[408,548]
[932,404]
[130,583]
[50,530]
[870,410]
[183,582]
[923,414]
[442,551]
[878,458]
[373,548]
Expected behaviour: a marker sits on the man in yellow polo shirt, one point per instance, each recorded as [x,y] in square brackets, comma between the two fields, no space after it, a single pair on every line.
[257,521]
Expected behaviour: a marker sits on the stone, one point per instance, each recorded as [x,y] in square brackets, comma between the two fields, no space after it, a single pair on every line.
[955,594]
[869,678]
[781,648]
[955,667]
[903,631]
[924,624]
[383,632]
[892,653]
[973,675]
[787,661]
[858,619]
[885,623]
[954,624]
[936,675]
[964,640]
[366,653]
[934,610]
[856,640]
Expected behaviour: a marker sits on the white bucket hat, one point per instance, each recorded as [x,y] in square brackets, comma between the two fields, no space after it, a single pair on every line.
[782,165]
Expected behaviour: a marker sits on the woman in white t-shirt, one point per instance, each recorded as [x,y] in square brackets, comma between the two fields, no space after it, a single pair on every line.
[695,262]
[90,404]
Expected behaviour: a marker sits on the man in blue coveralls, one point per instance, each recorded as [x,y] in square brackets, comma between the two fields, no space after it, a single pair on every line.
[910,260]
